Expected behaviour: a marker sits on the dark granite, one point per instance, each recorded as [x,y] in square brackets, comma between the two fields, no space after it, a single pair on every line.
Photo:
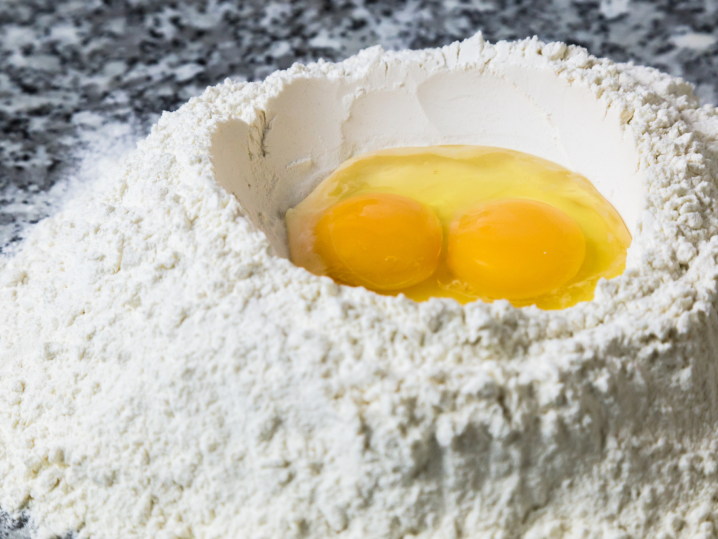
[70,69]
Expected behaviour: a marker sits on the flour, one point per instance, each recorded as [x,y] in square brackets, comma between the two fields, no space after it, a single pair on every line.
[165,373]
[98,150]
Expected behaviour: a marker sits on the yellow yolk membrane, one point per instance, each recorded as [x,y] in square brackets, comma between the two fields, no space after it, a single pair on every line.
[514,248]
[380,241]
[466,222]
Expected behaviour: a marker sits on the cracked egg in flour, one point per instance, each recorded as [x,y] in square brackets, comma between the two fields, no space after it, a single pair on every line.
[450,142]
[465,222]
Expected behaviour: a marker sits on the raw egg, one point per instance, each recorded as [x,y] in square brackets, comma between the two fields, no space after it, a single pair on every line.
[466,222]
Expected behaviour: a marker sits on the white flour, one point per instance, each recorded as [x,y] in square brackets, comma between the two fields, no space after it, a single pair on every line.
[163,374]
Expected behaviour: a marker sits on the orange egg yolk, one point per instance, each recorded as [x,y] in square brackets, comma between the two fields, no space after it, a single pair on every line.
[514,248]
[379,241]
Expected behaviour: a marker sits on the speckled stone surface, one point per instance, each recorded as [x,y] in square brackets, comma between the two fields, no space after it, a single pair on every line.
[88,72]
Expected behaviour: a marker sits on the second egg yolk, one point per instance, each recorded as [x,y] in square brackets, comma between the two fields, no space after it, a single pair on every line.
[515,248]
[380,241]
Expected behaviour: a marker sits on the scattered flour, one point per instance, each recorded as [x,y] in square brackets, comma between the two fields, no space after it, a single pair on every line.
[164,374]
[100,150]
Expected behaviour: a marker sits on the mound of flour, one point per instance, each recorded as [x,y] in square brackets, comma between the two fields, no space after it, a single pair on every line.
[164,374]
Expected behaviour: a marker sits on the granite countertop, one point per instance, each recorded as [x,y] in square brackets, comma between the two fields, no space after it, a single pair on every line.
[87,77]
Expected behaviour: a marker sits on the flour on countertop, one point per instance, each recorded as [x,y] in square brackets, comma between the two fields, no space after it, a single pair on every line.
[164,374]
[99,151]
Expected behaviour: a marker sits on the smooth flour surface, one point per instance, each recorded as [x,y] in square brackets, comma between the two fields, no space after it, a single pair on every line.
[164,374]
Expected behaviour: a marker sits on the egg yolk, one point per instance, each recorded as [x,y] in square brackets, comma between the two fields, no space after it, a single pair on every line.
[380,241]
[514,248]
